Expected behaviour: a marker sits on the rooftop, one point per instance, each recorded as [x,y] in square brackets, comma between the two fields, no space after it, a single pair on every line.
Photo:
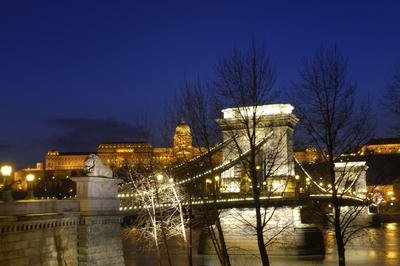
[76,153]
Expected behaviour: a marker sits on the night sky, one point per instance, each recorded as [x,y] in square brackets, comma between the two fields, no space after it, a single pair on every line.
[73,75]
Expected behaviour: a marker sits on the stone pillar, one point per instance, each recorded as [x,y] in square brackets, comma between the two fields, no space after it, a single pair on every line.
[99,241]
[354,174]
[276,123]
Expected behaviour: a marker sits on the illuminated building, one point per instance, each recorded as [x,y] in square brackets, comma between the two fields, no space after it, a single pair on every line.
[308,156]
[20,175]
[56,160]
[381,146]
[117,154]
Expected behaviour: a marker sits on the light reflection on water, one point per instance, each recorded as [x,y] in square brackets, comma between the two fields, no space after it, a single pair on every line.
[380,246]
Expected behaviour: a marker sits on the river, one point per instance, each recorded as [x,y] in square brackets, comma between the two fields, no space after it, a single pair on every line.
[379,246]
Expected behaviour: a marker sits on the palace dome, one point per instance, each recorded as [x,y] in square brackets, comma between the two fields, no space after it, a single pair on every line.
[182,129]
[182,137]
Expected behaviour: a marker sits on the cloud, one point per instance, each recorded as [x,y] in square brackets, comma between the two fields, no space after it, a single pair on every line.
[5,146]
[85,134]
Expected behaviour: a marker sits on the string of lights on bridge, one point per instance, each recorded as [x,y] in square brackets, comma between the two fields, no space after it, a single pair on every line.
[201,201]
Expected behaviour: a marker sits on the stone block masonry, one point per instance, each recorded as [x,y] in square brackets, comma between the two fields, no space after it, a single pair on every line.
[85,231]
[45,238]
[99,242]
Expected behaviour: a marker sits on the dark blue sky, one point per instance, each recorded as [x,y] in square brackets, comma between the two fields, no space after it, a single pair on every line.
[71,70]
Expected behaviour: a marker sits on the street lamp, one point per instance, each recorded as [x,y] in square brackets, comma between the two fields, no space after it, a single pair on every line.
[6,195]
[30,178]
[6,170]
[216,178]
[297,186]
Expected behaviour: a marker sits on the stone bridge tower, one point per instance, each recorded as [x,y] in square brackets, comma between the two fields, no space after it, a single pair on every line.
[352,176]
[275,122]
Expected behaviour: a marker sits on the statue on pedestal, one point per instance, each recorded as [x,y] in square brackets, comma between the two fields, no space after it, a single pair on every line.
[93,166]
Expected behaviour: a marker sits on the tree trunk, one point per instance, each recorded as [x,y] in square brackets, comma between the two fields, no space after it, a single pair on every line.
[337,218]
[260,235]
[257,206]
[338,232]
[166,245]
[340,246]
[190,255]
[221,237]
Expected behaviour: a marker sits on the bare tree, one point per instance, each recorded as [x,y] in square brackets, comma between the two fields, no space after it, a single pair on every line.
[325,103]
[392,98]
[158,203]
[245,82]
[198,109]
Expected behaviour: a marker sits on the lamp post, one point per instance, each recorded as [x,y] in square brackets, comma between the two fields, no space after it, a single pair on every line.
[216,178]
[6,195]
[208,181]
[30,178]
[297,185]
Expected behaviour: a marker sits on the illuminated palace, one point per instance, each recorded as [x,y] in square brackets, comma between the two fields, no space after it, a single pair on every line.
[117,154]
[381,146]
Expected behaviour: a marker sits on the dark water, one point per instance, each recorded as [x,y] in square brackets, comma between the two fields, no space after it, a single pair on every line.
[379,246]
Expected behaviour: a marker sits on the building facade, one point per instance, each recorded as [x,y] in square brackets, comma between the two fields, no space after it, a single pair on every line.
[381,146]
[118,154]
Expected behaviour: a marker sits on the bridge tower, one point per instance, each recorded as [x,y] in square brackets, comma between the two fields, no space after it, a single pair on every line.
[275,122]
[352,175]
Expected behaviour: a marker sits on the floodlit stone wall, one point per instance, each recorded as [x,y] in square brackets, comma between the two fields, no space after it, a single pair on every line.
[99,242]
[41,236]
[85,231]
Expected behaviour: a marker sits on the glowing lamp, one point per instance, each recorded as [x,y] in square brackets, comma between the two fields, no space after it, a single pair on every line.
[216,178]
[297,177]
[160,177]
[6,170]
[30,177]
